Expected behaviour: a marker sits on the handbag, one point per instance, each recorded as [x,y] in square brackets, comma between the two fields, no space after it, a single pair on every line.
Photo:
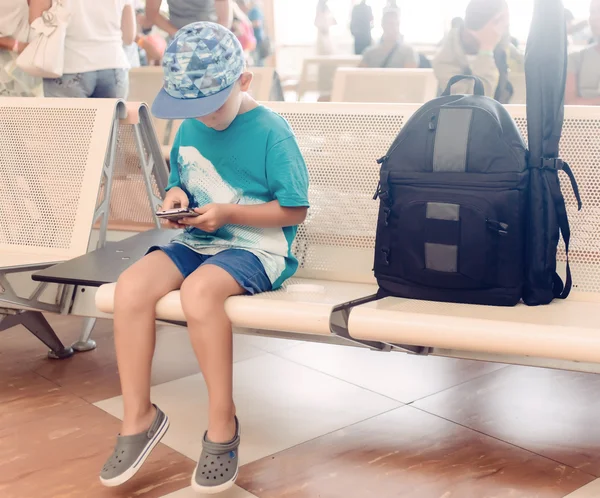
[45,55]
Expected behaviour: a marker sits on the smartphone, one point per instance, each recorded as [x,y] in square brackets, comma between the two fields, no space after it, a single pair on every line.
[176,214]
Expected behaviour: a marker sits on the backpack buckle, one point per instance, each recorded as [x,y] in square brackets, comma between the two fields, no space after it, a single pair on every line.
[553,163]
[384,196]
[497,226]
[386,254]
[381,194]
[387,211]
[382,189]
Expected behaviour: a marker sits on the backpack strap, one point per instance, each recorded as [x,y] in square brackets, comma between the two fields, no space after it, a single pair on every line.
[389,56]
[567,169]
[478,88]
[553,166]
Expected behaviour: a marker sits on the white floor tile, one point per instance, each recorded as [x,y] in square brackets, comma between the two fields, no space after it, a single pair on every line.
[592,490]
[270,344]
[173,346]
[244,348]
[280,404]
[235,492]
[400,376]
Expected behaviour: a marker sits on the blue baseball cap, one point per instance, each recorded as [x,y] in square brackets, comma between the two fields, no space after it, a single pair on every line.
[201,66]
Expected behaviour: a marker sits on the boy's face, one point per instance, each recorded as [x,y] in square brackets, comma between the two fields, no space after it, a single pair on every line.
[221,119]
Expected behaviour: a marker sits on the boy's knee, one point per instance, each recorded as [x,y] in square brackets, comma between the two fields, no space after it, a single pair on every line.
[198,299]
[132,291]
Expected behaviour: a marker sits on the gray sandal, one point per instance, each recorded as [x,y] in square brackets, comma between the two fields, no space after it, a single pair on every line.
[218,466]
[131,452]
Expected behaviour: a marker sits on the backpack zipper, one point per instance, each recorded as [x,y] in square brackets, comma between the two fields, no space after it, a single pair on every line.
[497,226]
[432,127]
[402,180]
[380,161]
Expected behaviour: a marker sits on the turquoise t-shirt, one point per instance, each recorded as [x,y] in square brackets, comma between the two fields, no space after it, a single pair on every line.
[255,160]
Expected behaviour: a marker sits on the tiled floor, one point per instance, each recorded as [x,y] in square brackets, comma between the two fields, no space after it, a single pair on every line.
[318,422]
[551,413]
[235,492]
[591,490]
[409,453]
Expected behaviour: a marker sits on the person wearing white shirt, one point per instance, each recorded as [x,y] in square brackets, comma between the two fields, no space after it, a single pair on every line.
[96,65]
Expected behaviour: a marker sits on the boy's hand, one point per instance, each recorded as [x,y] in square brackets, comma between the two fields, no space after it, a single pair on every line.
[212,217]
[175,197]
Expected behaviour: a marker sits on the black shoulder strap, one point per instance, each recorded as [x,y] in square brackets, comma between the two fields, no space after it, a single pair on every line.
[552,166]
[389,56]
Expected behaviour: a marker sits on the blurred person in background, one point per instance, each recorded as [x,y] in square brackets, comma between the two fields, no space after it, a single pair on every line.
[361,24]
[324,20]
[583,78]
[14,34]
[573,27]
[391,51]
[151,42]
[579,32]
[241,27]
[133,51]
[184,12]
[482,48]
[263,41]
[457,23]
[96,65]
[391,5]
[152,46]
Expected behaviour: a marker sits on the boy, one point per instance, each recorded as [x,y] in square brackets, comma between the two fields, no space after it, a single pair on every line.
[237,164]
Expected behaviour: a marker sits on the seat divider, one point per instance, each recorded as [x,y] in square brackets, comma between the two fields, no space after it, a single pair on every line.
[338,323]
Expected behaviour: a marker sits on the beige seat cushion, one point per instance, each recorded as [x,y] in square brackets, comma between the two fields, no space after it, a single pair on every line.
[568,330]
[301,305]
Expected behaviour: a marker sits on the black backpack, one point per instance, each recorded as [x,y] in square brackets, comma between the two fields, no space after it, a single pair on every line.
[454,222]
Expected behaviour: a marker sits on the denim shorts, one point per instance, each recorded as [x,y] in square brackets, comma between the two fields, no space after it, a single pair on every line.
[103,84]
[243,266]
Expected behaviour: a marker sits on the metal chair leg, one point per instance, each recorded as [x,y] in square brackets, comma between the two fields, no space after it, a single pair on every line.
[37,324]
[85,343]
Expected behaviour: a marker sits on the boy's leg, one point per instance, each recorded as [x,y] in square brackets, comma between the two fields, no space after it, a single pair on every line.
[203,296]
[138,290]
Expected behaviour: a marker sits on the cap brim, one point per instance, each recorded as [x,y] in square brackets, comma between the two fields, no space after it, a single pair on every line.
[167,107]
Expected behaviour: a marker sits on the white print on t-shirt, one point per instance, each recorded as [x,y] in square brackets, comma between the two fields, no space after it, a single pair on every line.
[201,179]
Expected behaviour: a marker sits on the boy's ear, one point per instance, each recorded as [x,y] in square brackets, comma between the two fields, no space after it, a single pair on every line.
[245,80]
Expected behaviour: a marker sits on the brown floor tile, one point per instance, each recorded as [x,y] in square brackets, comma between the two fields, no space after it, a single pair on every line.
[28,397]
[60,452]
[92,375]
[409,454]
[20,350]
[553,413]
